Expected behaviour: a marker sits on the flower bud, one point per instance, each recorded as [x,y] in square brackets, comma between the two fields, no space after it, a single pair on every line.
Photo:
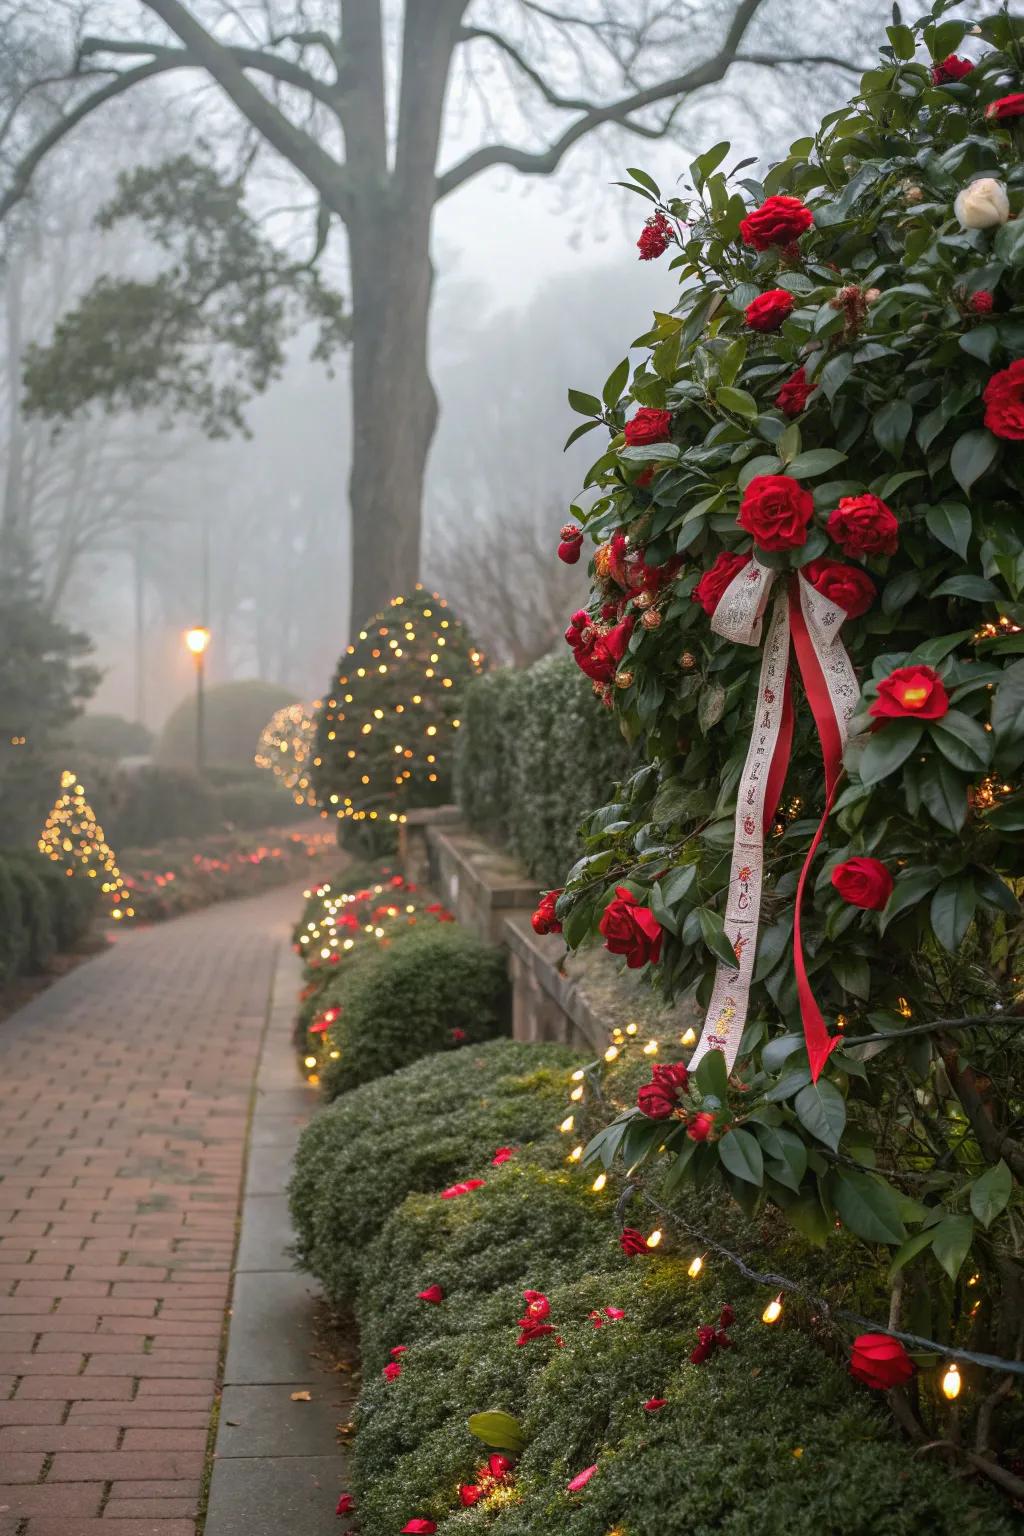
[982,204]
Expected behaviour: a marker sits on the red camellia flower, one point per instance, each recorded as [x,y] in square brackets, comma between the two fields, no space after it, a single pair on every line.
[1006,108]
[864,525]
[863,883]
[778,221]
[544,920]
[433,1293]
[775,510]
[581,1479]
[659,1097]
[951,68]
[398,1349]
[914,693]
[470,1494]
[502,1156]
[537,1305]
[880,1361]
[1004,401]
[981,302]
[846,585]
[655,237]
[419,1528]
[655,1404]
[393,1371]
[631,929]
[346,1505]
[648,426]
[711,587]
[571,544]
[457,1035]
[699,1128]
[632,1242]
[794,394]
[530,1331]
[599,656]
[454,1190]
[769,310]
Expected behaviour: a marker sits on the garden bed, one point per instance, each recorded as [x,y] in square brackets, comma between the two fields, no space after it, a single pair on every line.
[187,874]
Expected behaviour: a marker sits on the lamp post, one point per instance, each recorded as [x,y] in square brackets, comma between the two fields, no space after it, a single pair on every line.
[196,641]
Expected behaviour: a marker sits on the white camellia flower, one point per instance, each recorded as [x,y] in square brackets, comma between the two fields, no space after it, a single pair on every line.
[982,205]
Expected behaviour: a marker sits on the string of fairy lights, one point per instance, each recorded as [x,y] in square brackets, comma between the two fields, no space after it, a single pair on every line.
[629,1039]
[383,735]
[73,837]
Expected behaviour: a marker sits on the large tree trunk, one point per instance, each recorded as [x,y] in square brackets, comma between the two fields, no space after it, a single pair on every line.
[394,407]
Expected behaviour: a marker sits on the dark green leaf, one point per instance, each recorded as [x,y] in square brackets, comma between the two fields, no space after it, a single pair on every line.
[616,383]
[972,454]
[888,749]
[867,1205]
[950,523]
[962,740]
[712,1075]
[951,1242]
[821,1109]
[713,933]
[583,404]
[952,910]
[891,425]
[991,1193]
[741,1155]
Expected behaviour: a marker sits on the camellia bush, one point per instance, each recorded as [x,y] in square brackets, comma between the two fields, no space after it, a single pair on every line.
[384,733]
[807,611]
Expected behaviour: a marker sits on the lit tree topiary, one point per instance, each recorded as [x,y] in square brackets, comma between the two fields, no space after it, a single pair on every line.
[384,733]
[285,748]
[73,837]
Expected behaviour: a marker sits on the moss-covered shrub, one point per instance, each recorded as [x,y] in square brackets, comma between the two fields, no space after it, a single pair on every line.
[419,1129]
[430,988]
[771,1436]
[13,937]
[536,751]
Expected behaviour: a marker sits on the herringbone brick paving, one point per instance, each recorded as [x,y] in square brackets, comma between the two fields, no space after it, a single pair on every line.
[124,1101]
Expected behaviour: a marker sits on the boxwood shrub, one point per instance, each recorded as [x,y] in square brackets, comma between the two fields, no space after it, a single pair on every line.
[416,1130]
[428,989]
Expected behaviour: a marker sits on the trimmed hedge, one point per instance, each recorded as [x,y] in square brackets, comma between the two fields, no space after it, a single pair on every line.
[536,752]
[429,988]
[795,1447]
[356,1161]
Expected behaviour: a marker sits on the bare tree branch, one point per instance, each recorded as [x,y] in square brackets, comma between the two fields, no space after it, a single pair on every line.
[544,162]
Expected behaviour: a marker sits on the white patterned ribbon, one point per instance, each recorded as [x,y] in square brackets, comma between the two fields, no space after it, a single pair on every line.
[738,617]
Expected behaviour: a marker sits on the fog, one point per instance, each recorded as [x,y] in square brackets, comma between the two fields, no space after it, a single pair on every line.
[140,525]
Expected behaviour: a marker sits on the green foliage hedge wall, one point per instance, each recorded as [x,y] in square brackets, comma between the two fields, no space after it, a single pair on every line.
[537,752]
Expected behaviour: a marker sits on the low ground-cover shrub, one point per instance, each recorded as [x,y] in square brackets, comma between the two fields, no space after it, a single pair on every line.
[535,749]
[430,988]
[354,1164]
[182,876]
[770,1436]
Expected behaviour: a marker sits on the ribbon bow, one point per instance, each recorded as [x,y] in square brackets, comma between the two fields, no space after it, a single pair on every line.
[801,616]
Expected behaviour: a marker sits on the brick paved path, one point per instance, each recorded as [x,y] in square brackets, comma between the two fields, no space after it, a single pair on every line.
[124,1099]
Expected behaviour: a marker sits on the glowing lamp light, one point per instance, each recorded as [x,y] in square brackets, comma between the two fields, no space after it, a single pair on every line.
[310,1061]
[695,1267]
[773,1311]
[951,1381]
[651,1048]
[655,1238]
[599,1183]
[197,639]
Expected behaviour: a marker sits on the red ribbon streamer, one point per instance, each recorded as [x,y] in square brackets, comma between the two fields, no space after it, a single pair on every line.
[820,1044]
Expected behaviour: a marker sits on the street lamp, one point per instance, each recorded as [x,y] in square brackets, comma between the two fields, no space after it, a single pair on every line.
[196,641]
